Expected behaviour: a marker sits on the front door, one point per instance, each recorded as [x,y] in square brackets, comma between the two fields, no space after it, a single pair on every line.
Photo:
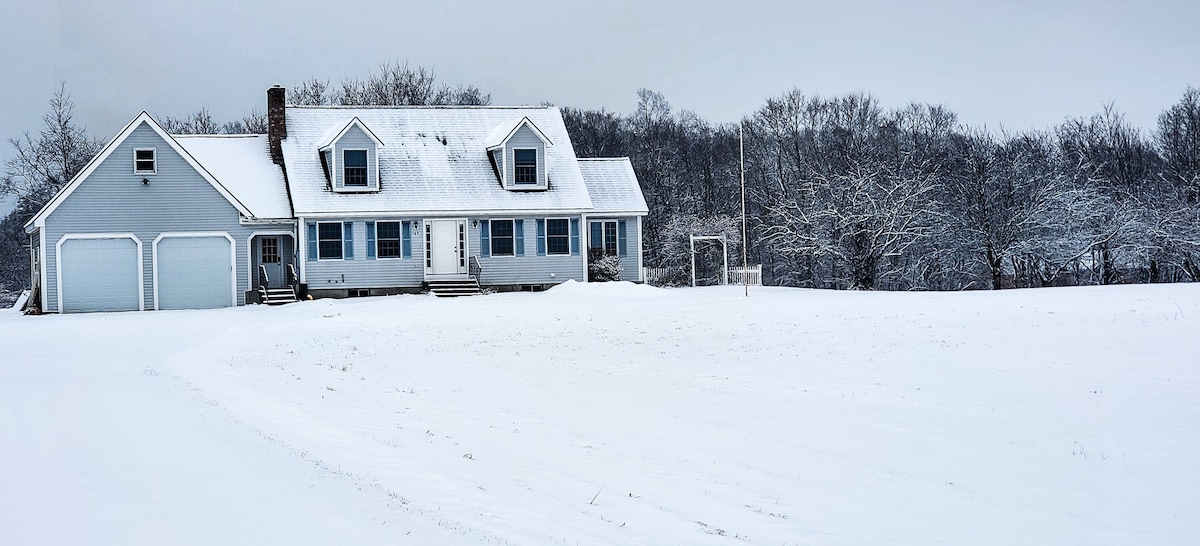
[446,243]
[268,257]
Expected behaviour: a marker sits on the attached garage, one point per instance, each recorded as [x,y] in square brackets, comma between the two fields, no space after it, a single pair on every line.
[194,271]
[99,273]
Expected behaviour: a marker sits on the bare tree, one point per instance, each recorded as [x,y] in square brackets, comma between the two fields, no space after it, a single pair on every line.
[45,164]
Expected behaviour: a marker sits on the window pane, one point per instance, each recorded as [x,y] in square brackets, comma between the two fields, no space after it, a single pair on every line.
[270,251]
[331,249]
[502,228]
[502,247]
[558,236]
[502,237]
[145,155]
[355,158]
[331,230]
[610,237]
[558,245]
[526,166]
[387,236]
[388,230]
[355,169]
[389,248]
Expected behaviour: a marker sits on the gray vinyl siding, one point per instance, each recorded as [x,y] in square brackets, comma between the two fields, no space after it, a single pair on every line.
[354,139]
[527,269]
[113,200]
[362,272]
[633,245]
[524,138]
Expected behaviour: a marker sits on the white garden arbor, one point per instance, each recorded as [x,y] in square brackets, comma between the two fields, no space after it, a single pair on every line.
[724,256]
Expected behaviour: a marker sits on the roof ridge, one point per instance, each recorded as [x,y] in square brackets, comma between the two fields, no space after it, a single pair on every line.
[419,107]
[223,135]
[622,158]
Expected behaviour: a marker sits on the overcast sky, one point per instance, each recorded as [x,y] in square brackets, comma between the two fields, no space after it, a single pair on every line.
[1020,64]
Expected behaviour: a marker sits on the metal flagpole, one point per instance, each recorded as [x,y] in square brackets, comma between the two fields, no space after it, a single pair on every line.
[745,263]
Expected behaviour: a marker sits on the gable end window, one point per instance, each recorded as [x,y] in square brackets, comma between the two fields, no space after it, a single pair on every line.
[387,240]
[354,167]
[144,161]
[558,236]
[525,161]
[329,240]
[502,238]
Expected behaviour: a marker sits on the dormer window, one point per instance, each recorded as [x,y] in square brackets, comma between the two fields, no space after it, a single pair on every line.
[518,152]
[144,161]
[355,167]
[350,157]
[525,161]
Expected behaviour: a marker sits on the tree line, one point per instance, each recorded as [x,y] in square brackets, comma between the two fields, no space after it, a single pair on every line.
[842,193]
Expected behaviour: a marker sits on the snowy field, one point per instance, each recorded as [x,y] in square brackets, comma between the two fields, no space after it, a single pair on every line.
[612,414]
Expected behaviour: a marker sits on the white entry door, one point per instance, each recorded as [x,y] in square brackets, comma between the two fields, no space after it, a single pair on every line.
[447,246]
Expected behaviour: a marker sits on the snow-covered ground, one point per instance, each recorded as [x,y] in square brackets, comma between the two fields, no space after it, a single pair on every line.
[612,414]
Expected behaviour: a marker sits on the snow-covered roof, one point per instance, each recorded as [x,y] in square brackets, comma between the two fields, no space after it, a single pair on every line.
[502,132]
[242,163]
[435,161]
[613,186]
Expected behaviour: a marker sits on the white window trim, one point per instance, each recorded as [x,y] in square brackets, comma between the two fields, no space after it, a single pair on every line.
[616,230]
[183,234]
[399,239]
[464,246]
[70,236]
[154,160]
[492,238]
[341,241]
[547,228]
[537,171]
[368,185]
[250,251]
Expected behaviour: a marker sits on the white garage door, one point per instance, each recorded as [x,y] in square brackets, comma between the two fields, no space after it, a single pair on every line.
[194,272]
[99,275]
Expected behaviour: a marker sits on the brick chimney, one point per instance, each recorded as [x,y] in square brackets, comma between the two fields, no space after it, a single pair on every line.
[276,121]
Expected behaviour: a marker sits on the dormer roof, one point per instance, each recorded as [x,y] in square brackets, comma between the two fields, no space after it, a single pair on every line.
[335,133]
[500,135]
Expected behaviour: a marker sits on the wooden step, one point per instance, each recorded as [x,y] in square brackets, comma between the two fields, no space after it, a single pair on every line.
[279,296]
[454,288]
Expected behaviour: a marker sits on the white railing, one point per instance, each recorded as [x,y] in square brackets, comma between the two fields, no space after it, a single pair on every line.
[655,275]
[746,275]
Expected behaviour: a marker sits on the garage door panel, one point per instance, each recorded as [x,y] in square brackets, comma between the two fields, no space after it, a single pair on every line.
[99,275]
[194,273]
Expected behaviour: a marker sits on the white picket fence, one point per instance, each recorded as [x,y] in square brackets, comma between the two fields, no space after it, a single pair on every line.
[746,275]
[737,275]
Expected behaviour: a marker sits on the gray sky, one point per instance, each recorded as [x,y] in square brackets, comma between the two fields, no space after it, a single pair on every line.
[1021,64]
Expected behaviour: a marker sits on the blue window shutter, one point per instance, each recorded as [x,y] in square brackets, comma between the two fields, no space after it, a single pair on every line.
[519,228]
[574,236]
[370,240]
[312,242]
[406,240]
[485,239]
[597,238]
[621,237]
[348,241]
[541,237]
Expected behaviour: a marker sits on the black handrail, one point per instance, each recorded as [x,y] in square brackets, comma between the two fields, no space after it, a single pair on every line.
[474,269]
[293,280]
